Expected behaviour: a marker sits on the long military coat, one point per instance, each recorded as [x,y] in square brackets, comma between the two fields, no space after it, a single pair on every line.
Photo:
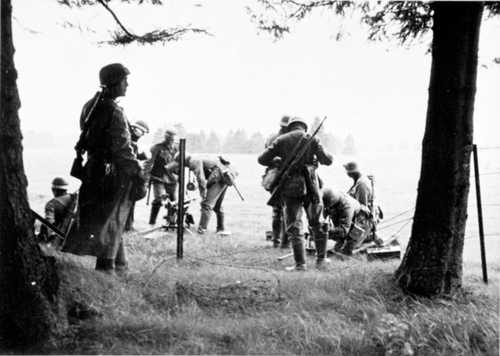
[105,192]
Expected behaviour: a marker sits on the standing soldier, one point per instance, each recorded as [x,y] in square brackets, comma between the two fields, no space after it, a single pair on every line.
[279,235]
[137,130]
[110,169]
[360,190]
[301,189]
[213,178]
[57,209]
[164,183]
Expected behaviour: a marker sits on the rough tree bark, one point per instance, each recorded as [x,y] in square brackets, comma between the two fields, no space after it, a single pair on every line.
[28,281]
[432,264]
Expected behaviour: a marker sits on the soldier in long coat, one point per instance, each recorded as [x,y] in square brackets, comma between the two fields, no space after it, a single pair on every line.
[110,168]
[301,190]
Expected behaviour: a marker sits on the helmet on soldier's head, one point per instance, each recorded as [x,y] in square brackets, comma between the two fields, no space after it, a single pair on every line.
[141,125]
[297,121]
[351,167]
[112,74]
[284,121]
[330,197]
[59,183]
[170,133]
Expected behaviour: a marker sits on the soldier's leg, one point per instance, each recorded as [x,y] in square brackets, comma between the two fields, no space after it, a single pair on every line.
[159,194]
[319,229]
[219,212]
[285,241]
[277,225]
[293,212]
[129,225]
[121,264]
[208,204]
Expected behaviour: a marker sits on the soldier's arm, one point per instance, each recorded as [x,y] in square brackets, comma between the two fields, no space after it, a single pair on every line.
[363,194]
[266,158]
[50,216]
[121,147]
[323,157]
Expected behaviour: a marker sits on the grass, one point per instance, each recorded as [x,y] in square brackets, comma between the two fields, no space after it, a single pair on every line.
[231,296]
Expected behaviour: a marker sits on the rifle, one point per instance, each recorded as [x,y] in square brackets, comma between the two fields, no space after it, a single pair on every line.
[298,152]
[48,224]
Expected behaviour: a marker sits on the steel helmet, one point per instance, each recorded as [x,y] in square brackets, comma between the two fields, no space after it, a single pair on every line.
[112,74]
[170,133]
[284,121]
[141,125]
[297,120]
[351,167]
[59,183]
[330,197]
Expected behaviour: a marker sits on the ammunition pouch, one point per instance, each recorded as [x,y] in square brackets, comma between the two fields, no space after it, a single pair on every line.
[77,169]
[269,179]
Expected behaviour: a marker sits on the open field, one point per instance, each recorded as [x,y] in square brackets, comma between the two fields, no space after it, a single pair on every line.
[231,296]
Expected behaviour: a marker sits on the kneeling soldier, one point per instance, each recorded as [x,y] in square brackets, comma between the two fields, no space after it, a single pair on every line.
[351,220]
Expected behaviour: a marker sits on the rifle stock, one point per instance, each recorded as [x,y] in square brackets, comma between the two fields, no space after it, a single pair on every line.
[298,151]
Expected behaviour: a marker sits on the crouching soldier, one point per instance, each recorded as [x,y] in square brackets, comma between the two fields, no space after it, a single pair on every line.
[164,182]
[213,178]
[58,210]
[301,190]
[351,220]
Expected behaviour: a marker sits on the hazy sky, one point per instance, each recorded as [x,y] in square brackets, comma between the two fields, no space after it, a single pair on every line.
[237,78]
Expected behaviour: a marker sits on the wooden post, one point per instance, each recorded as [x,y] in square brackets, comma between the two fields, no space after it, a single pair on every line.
[180,199]
[480,214]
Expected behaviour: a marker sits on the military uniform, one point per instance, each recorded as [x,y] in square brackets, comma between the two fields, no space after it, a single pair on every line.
[56,211]
[351,222]
[164,183]
[301,190]
[104,202]
[361,190]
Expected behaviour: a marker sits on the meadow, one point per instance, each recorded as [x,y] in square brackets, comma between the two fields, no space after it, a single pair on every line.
[230,295]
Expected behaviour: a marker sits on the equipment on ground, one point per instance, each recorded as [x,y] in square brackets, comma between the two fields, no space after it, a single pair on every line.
[171,218]
[298,152]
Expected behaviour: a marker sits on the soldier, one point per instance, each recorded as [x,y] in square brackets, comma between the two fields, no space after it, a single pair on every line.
[110,169]
[351,220]
[164,183]
[57,209]
[213,178]
[301,190]
[137,130]
[361,189]
[280,238]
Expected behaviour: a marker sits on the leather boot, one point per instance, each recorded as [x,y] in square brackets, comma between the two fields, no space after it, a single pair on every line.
[299,256]
[221,230]
[285,239]
[105,265]
[276,224]
[204,219]
[155,209]
[321,260]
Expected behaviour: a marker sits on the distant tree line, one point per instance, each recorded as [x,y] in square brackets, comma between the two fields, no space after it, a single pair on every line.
[240,141]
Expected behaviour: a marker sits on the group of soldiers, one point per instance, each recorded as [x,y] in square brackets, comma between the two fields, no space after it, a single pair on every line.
[347,218]
[116,174]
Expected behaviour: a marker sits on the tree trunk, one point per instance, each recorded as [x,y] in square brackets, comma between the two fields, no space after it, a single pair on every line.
[28,281]
[432,264]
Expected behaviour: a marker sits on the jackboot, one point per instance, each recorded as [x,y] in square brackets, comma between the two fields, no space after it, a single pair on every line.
[155,209]
[204,219]
[221,230]
[321,260]
[284,238]
[299,256]
[105,265]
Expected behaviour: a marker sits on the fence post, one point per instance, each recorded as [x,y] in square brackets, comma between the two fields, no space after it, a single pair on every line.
[480,214]
[180,200]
